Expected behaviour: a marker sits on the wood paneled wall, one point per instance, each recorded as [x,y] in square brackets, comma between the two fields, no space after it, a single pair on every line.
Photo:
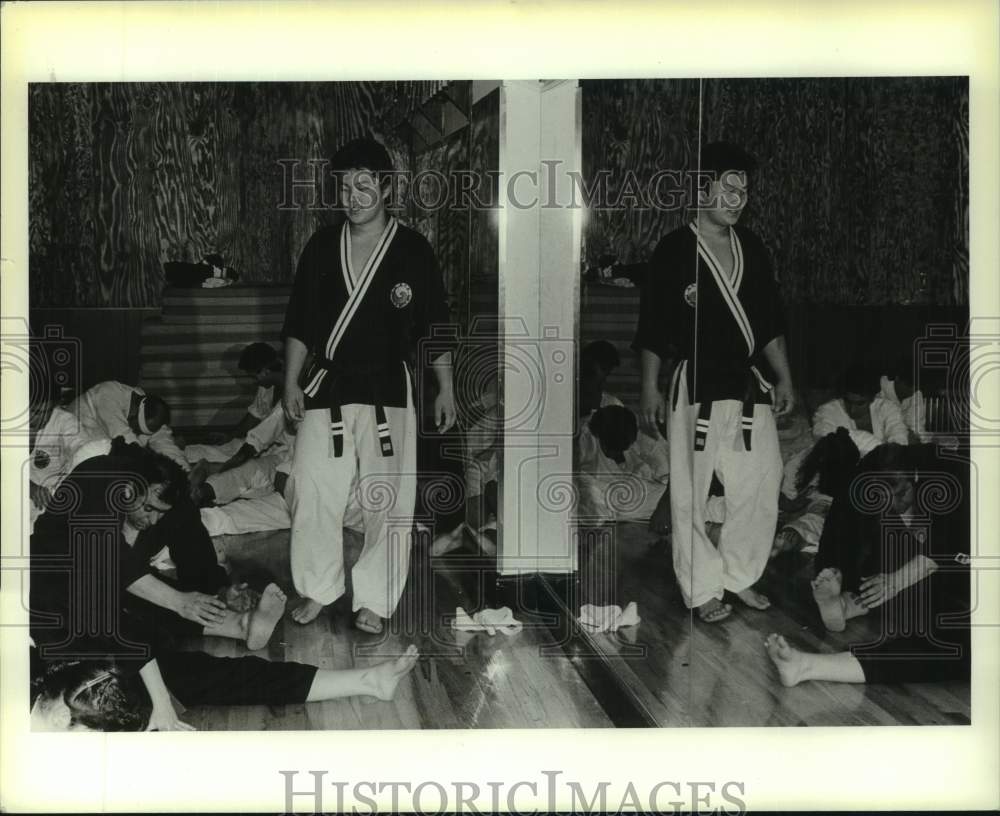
[126,176]
[862,193]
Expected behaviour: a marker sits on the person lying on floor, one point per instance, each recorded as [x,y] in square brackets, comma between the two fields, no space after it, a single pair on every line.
[896,544]
[138,499]
[111,409]
[870,420]
[620,474]
[97,695]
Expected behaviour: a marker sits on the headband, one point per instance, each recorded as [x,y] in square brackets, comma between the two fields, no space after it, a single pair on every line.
[143,426]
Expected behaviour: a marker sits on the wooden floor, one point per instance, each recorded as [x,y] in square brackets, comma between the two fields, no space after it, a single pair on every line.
[669,671]
[681,672]
[469,680]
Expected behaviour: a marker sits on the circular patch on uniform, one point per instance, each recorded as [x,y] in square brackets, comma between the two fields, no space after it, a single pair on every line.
[401,295]
[691,295]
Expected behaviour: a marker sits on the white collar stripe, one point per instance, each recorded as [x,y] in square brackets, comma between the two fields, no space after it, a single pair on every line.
[345,259]
[726,288]
[354,301]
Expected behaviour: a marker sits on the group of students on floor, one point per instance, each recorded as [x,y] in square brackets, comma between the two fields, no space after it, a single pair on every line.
[896,547]
[338,412]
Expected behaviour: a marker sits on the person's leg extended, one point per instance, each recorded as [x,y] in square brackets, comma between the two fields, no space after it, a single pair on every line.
[251,480]
[752,480]
[388,490]
[696,561]
[317,494]
[796,667]
[196,678]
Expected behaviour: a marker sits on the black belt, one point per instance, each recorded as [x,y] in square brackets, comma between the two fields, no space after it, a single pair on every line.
[705,413]
[383,432]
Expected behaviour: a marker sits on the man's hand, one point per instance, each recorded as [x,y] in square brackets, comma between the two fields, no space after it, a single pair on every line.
[444,411]
[784,398]
[164,718]
[876,590]
[40,495]
[293,402]
[201,608]
[652,412]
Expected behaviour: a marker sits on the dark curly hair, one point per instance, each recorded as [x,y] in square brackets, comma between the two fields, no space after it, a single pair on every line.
[151,468]
[97,695]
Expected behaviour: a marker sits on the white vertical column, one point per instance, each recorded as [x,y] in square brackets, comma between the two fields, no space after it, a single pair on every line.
[539,288]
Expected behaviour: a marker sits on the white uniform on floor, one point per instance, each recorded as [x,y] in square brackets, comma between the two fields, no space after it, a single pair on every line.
[360,421]
[630,491]
[260,407]
[103,414]
[274,443]
[716,322]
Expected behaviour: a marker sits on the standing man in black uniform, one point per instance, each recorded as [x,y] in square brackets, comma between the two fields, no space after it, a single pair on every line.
[710,305]
[365,293]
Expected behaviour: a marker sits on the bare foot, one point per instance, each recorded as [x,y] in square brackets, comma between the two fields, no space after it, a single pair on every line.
[754,599]
[265,617]
[787,540]
[826,593]
[307,611]
[713,611]
[384,677]
[446,542]
[368,621]
[789,662]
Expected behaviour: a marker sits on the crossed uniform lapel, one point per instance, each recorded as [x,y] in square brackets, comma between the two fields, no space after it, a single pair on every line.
[357,287]
[729,288]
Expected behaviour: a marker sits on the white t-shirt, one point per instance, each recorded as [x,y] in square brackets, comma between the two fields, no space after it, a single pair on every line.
[262,403]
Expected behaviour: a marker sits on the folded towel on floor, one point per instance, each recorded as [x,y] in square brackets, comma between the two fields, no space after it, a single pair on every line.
[487,620]
[609,618]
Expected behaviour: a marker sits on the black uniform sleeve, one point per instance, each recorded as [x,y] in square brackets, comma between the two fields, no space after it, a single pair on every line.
[299,314]
[432,319]
[769,318]
[191,549]
[653,330]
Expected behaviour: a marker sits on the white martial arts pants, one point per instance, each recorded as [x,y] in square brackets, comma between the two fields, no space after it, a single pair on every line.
[213,453]
[751,480]
[319,493]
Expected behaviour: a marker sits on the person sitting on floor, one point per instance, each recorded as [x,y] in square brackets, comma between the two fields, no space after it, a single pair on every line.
[896,543]
[619,478]
[869,419]
[260,361]
[246,493]
[97,695]
[140,497]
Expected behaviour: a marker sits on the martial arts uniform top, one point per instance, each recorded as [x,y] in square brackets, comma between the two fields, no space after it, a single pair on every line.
[887,423]
[715,321]
[362,325]
[103,414]
[714,337]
